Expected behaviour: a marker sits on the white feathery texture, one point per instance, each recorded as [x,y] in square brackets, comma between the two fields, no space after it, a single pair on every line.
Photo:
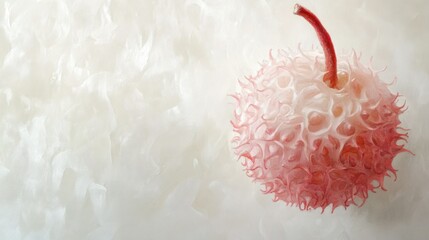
[114,118]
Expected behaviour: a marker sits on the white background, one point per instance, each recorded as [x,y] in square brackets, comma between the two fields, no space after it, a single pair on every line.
[114,118]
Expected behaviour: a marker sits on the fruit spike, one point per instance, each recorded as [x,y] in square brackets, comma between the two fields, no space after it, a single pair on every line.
[325,41]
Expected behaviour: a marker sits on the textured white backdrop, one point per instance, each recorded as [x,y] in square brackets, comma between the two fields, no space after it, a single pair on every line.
[114,118]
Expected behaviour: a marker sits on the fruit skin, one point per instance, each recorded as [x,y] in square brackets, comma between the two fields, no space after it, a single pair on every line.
[311,145]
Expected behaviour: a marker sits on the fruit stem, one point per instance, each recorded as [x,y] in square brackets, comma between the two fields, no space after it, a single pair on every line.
[325,40]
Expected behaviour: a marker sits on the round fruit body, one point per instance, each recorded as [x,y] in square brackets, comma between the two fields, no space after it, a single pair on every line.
[312,145]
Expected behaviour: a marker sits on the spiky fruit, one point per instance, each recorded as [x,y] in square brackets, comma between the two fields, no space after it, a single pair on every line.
[314,138]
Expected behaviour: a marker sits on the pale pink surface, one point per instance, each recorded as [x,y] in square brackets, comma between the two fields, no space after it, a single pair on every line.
[311,145]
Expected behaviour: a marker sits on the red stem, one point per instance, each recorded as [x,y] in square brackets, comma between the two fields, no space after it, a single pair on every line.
[325,41]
